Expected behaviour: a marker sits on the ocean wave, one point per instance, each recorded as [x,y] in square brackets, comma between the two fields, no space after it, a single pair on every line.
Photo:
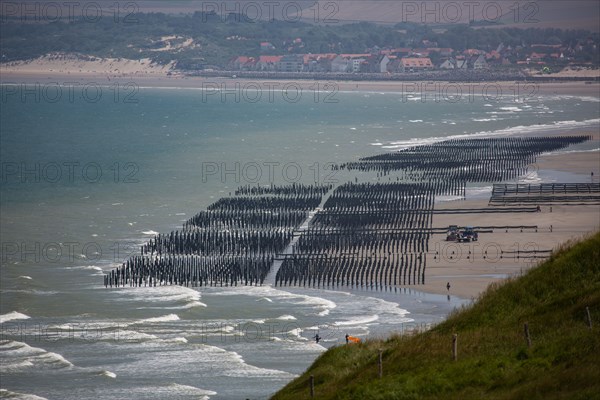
[230,364]
[357,321]
[515,130]
[4,393]
[108,374]
[191,390]
[150,232]
[272,293]
[11,316]
[15,353]
[287,318]
[265,299]
[510,109]
[130,336]
[188,298]
[553,153]
[296,333]
[163,318]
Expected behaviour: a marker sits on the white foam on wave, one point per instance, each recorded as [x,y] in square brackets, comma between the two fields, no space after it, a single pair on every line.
[296,333]
[191,390]
[231,364]
[276,294]
[25,277]
[510,109]
[130,336]
[515,130]
[265,299]
[357,321]
[552,153]
[4,393]
[95,268]
[150,232]
[11,316]
[108,374]
[163,318]
[287,318]
[178,294]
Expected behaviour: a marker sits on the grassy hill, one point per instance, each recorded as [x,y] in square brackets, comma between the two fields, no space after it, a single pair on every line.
[494,360]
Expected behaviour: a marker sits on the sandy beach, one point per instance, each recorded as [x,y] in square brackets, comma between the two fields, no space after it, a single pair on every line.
[59,68]
[471,267]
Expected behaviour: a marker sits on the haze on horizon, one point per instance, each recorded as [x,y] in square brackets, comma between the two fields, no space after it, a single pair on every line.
[576,14]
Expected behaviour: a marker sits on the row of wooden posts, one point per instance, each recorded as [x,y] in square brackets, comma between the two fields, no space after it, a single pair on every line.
[454,350]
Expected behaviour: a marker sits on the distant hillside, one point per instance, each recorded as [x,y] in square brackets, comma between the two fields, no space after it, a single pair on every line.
[207,40]
[494,360]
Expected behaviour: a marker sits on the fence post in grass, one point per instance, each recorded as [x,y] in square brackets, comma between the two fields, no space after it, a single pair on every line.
[312,386]
[380,363]
[454,347]
[589,317]
[527,336]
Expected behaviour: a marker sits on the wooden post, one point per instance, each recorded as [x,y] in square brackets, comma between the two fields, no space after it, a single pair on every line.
[589,317]
[527,336]
[454,347]
[380,363]
[312,386]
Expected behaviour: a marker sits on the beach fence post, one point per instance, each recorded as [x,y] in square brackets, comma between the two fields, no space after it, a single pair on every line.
[380,363]
[527,336]
[454,347]
[589,317]
[312,386]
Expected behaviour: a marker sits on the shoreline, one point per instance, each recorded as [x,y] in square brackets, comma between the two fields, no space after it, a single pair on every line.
[159,79]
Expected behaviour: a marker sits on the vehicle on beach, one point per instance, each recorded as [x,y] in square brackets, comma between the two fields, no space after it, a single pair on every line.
[452,234]
[468,234]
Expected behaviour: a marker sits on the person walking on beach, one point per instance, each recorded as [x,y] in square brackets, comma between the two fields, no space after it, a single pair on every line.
[347,338]
[448,286]
[317,338]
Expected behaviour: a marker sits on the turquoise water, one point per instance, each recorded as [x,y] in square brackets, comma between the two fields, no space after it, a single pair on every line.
[84,184]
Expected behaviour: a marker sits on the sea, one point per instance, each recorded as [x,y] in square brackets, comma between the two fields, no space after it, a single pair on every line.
[89,173]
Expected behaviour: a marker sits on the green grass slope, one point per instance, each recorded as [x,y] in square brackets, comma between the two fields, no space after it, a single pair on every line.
[494,360]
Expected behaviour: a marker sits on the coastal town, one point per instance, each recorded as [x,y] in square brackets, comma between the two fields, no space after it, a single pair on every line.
[429,57]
